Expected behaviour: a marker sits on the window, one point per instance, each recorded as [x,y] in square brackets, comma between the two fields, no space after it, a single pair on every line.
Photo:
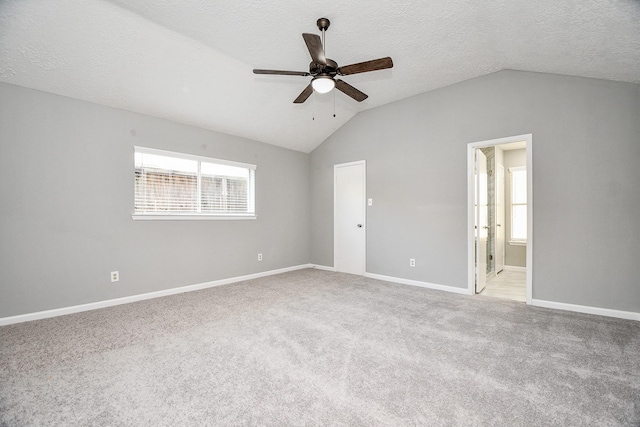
[518,176]
[181,186]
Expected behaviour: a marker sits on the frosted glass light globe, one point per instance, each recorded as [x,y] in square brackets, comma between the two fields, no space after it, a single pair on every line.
[323,84]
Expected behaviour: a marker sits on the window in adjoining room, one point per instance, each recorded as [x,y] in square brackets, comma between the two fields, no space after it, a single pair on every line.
[518,176]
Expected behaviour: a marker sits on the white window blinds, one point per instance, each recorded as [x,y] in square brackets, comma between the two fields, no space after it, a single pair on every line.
[168,183]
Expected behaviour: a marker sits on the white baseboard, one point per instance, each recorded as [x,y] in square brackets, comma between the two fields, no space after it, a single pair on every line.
[140,297]
[629,315]
[515,268]
[410,282]
[324,267]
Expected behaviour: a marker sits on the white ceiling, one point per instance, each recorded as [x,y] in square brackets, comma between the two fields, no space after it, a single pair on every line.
[191,60]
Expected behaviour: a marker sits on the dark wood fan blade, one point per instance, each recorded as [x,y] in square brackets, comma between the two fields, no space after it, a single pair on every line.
[304,95]
[363,67]
[350,90]
[314,44]
[282,73]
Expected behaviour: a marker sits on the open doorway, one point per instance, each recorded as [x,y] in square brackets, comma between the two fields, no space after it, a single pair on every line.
[500,217]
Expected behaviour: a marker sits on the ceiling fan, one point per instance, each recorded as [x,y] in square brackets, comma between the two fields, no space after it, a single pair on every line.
[324,70]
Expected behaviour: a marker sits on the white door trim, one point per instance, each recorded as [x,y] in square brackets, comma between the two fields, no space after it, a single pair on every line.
[470,207]
[364,210]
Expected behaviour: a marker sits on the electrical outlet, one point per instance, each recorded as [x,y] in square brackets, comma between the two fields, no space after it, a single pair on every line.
[259,257]
[412,262]
[115,276]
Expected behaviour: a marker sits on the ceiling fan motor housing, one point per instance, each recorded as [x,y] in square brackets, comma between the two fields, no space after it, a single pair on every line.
[330,68]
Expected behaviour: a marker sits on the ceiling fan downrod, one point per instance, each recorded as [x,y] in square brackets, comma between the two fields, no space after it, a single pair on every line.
[323,25]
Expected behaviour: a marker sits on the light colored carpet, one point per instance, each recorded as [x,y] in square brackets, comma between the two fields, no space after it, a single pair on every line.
[312,347]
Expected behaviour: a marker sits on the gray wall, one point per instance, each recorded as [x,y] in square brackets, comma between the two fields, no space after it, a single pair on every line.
[586,152]
[514,255]
[66,180]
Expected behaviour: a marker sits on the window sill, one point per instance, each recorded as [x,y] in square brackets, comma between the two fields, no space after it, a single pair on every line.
[188,217]
[518,242]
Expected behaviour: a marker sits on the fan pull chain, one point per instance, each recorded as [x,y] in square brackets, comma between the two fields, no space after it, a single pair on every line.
[334,103]
[313,108]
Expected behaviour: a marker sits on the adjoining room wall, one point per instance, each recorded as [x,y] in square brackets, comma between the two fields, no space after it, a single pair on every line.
[586,152]
[67,182]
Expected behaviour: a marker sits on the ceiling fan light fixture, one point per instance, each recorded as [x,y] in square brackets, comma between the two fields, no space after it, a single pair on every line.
[323,84]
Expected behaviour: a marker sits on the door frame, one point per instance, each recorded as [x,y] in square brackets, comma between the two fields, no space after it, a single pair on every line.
[471,147]
[364,210]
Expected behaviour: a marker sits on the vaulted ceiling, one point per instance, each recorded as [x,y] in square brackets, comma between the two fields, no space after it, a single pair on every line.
[191,61]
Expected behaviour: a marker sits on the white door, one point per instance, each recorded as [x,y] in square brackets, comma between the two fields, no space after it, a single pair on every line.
[500,206]
[482,220]
[349,217]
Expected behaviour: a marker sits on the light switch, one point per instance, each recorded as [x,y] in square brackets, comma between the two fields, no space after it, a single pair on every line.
[370,202]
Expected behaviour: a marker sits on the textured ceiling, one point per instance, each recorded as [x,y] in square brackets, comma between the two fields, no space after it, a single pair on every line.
[191,61]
